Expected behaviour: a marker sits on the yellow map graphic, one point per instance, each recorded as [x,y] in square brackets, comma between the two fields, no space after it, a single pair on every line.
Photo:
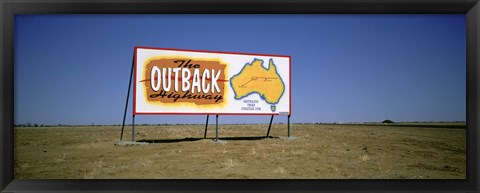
[254,78]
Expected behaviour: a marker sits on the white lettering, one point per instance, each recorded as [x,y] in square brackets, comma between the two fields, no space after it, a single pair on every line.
[175,71]
[206,75]
[155,72]
[214,81]
[196,81]
[185,79]
[166,86]
[163,78]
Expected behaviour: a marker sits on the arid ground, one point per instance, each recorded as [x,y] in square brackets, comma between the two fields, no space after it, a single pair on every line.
[179,151]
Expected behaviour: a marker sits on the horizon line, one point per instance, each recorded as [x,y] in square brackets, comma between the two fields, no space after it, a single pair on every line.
[280,123]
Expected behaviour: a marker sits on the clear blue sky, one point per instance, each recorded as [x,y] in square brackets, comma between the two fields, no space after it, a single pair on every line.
[74,69]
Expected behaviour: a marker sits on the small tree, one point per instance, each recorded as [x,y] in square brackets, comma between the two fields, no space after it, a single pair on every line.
[388,121]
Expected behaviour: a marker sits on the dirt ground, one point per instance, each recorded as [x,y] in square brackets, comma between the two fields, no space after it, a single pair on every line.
[179,151]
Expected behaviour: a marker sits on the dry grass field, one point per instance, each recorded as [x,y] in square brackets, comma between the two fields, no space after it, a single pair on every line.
[313,152]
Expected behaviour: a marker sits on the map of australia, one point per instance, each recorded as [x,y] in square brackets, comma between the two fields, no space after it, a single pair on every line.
[256,79]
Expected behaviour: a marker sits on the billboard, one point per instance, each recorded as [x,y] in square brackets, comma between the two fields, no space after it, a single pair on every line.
[172,81]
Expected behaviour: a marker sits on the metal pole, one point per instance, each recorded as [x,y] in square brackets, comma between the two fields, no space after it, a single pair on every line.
[133,128]
[216,128]
[206,126]
[128,95]
[269,126]
[288,125]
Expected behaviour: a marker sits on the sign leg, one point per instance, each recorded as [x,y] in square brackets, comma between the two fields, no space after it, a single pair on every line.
[126,103]
[133,128]
[216,128]
[206,126]
[269,126]
[288,125]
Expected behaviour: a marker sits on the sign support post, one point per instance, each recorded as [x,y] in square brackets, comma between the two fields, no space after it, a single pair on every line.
[128,95]
[289,126]
[216,128]
[206,127]
[269,126]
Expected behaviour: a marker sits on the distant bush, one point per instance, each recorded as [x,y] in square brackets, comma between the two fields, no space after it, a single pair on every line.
[388,121]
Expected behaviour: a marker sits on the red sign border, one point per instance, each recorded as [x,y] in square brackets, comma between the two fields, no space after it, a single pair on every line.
[205,51]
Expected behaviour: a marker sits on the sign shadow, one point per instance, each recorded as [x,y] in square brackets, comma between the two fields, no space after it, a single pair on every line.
[190,139]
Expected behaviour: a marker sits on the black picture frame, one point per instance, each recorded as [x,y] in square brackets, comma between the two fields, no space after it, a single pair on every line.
[8,9]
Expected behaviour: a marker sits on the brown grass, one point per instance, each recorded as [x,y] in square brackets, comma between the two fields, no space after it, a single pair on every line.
[314,152]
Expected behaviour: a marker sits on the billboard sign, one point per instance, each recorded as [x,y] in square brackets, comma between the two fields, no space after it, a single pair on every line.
[171,81]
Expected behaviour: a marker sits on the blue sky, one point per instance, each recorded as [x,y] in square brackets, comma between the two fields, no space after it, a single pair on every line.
[74,69]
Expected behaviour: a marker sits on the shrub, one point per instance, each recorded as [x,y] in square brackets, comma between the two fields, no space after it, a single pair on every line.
[388,121]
